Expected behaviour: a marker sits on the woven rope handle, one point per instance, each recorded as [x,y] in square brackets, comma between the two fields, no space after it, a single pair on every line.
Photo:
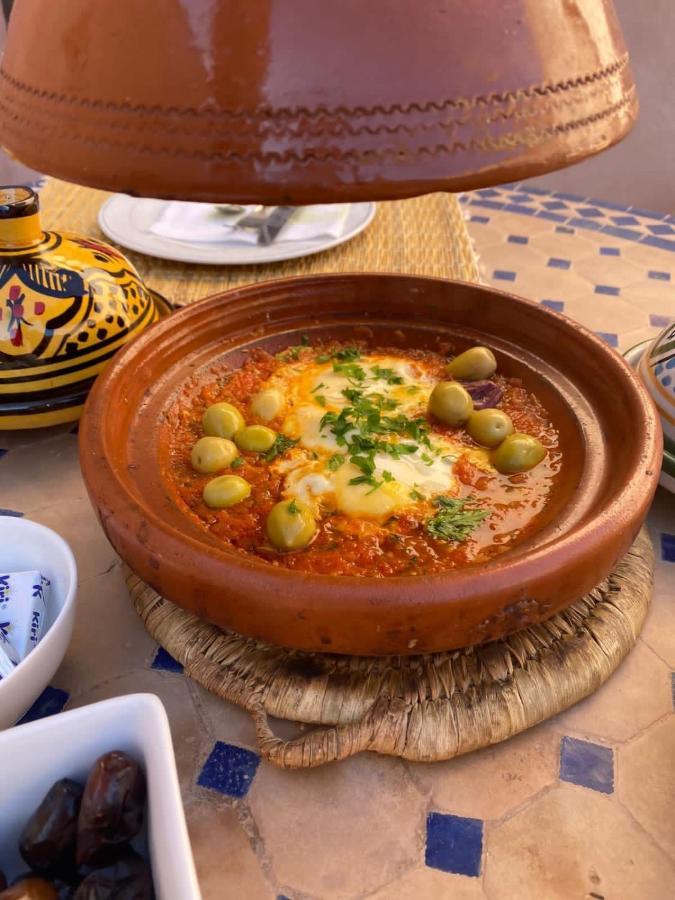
[379,729]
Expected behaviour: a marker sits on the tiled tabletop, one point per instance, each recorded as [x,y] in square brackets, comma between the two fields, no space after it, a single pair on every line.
[579,807]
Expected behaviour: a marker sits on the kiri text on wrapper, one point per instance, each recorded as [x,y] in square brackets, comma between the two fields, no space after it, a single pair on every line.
[24,600]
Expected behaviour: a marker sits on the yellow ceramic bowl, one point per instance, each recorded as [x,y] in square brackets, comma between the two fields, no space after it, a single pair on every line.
[67,304]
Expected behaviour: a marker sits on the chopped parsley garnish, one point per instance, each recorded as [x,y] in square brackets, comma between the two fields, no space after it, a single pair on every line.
[456,518]
[292,353]
[370,425]
[415,495]
[237,463]
[280,446]
[320,399]
[293,509]
[346,354]
[335,461]
[387,375]
[352,372]
[317,388]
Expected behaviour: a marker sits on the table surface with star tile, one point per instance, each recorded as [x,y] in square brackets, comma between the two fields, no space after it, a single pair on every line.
[579,807]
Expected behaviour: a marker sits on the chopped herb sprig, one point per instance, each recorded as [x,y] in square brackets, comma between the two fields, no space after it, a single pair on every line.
[279,447]
[456,518]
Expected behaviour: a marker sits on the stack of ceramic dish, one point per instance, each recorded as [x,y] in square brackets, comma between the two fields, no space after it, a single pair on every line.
[655,363]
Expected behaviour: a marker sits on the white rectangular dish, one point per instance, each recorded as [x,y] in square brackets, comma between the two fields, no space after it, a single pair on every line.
[66,746]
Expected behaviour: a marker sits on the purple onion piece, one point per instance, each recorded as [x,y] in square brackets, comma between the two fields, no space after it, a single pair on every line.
[483,393]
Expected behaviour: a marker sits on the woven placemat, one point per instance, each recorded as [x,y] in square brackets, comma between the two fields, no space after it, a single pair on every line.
[421,236]
[421,708]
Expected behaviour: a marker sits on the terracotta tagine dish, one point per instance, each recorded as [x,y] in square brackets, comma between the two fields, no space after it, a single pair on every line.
[305,102]
[67,305]
[143,452]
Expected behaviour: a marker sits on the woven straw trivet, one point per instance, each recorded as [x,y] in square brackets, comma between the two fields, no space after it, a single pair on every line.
[422,236]
[421,708]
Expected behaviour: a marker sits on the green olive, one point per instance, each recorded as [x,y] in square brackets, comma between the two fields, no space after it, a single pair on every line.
[267,404]
[211,454]
[473,364]
[255,438]
[489,427]
[222,420]
[225,490]
[518,453]
[450,403]
[290,525]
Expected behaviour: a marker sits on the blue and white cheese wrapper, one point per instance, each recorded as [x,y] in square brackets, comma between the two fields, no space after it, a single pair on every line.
[6,664]
[24,600]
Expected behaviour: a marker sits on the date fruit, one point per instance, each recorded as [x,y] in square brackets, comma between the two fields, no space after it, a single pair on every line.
[112,806]
[49,837]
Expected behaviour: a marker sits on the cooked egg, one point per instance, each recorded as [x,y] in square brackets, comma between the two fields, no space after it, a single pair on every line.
[319,470]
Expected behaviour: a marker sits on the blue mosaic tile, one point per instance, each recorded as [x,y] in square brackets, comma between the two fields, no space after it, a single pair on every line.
[626,234]
[564,229]
[488,204]
[586,764]
[607,289]
[503,275]
[454,844]
[625,220]
[608,204]
[588,224]
[51,701]
[658,276]
[541,192]
[488,192]
[668,547]
[518,239]
[657,321]
[164,662]
[550,216]
[660,243]
[483,220]
[661,229]
[519,208]
[2,452]
[609,338]
[229,770]
[590,212]
[646,213]
[610,251]
[555,263]
[575,198]
[554,204]
[555,305]
[11,512]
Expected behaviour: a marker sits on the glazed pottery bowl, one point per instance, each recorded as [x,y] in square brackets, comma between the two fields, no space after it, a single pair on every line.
[27,546]
[607,426]
[66,746]
[657,368]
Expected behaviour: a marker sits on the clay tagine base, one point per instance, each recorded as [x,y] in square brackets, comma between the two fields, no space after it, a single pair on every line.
[422,708]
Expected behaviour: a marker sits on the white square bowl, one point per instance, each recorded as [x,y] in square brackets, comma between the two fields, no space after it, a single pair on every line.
[36,755]
[24,546]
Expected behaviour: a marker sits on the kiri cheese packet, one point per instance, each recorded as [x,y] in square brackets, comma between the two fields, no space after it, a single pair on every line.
[6,664]
[24,598]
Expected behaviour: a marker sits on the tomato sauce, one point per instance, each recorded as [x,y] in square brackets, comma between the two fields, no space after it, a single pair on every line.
[349,546]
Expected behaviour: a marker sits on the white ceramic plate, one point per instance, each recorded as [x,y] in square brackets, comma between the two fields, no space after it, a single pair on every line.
[67,745]
[26,545]
[126,221]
